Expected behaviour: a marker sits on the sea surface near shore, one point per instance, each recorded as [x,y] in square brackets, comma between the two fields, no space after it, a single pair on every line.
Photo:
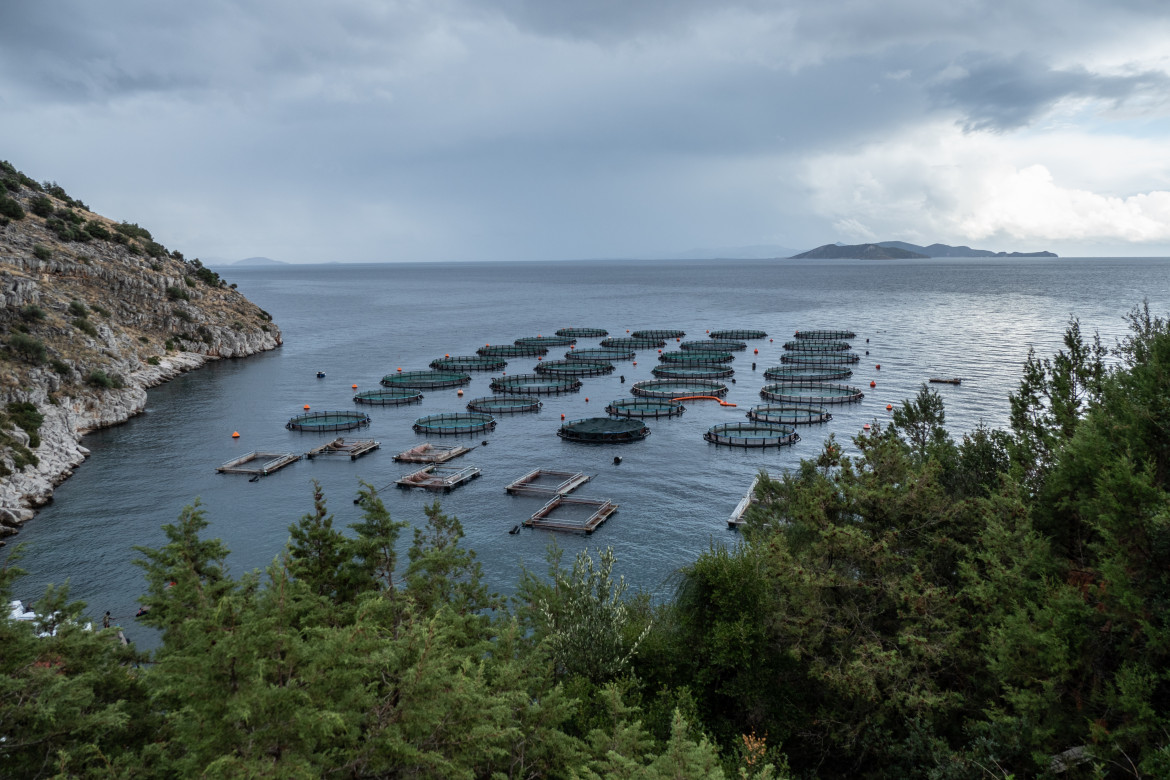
[974,319]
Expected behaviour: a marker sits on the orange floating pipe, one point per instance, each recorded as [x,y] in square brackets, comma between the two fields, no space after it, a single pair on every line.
[702,398]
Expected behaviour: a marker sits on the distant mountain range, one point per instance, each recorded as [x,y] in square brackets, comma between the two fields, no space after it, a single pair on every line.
[897,250]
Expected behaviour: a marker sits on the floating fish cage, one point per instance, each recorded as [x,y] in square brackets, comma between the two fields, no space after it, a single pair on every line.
[823,335]
[469,363]
[811,393]
[392,396]
[645,407]
[626,342]
[601,353]
[808,373]
[328,421]
[689,371]
[678,388]
[575,515]
[431,453]
[667,333]
[752,434]
[789,414]
[819,358]
[512,350]
[504,404]
[574,367]
[543,482]
[583,333]
[817,345]
[738,334]
[603,430]
[535,384]
[545,341]
[714,345]
[696,356]
[454,423]
[436,477]
[426,380]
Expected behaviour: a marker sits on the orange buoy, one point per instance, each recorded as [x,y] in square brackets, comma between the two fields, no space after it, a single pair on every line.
[461,393]
[635,362]
[235,434]
[447,355]
[889,407]
[866,426]
[770,340]
[539,357]
[586,400]
[627,330]
[354,387]
[562,415]
[878,366]
[572,346]
[306,407]
[756,351]
[659,352]
[678,339]
[400,368]
[872,383]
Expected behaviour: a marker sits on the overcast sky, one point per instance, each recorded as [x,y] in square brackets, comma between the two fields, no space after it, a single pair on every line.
[372,130]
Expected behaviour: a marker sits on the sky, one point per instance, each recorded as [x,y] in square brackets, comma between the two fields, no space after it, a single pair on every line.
[450,130]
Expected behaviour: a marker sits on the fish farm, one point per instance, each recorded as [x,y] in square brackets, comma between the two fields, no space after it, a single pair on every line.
[678,388]
[391,396]
[437,477]
[504,404]
[819,358]
[583,333]
[543,482]
[574,368]
[738,334]
[469,363]
[696,356]
[645,407]
[544,341]
[668,333]
[822,335]
[454,423]
[714,345]
[752,434]
[426,380]
[600,353]
[575,515]
[812,393]
[810,373]
[512,350]
[603,430]
[535,384]
[817,345]
[692,371]
[328,421]
[789,414]
[627,342]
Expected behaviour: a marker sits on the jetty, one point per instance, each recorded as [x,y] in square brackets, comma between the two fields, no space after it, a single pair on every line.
[354,449]
[431,453]
[543,482]
[749,498]
[258,463]
[575,515]
[439,477]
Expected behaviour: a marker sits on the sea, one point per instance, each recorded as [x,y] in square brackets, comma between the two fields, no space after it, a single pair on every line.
[975,319]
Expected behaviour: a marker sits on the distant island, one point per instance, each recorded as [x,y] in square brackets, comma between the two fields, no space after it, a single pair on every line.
[900,250]
[258,261]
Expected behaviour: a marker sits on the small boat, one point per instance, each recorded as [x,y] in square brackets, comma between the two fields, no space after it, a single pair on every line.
[952,381]
[320,374]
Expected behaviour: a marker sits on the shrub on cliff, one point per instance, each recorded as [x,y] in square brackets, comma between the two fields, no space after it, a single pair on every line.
[11,208]
[41,205]
[27,348]
[32,313]
[29,419]
[42,252]
[177,293]
[100,379]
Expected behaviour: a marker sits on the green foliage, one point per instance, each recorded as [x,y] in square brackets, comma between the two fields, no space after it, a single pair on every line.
[60,366]
[11,208]
[154,249]
[189,281]
[41,205]
[103,311]
[183,315]
[27,348]
[153,360]
[98,378]
[177,293]
[77,308]
[132,230]
[85,326]
[42,252]
[32,313]
[98,230]
[25,414]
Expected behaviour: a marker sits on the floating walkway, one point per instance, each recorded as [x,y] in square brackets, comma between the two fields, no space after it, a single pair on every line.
[745,503]
[258,463]
[436,477]
[431,453]
[354,449]
[573,515]
[543,482]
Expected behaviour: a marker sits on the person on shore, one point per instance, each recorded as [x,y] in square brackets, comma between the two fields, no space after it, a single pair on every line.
[106,619]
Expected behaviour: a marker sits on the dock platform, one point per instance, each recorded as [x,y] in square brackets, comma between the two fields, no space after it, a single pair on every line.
[543,482]
[749,498]
[354,449]
[575,515]
[431,453]
[438,477]
[258,463]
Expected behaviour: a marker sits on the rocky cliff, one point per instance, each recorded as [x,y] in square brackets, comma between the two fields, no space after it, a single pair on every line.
[92,313]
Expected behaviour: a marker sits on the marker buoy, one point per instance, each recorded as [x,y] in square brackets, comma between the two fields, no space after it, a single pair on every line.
[460,393]
[770,340]
[878,366]
[635,362]
[755,351]
[354,387]
[866,426]
[400,368]
[872,383]
[617,459]
[306,407]
[889,407]
[562,416]
[586,400]
[235,434]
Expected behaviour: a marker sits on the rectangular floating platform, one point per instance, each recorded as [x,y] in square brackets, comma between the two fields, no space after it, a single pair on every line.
[436,477]
[575,515]
[354,449]
[944,381]
[543,482]
[431,453]
[261,463]
[749,498]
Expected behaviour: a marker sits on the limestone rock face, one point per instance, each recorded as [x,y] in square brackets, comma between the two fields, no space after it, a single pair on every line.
[92,313]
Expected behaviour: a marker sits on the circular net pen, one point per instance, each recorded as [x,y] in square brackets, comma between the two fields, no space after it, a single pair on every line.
[825,335]
[738,334]
[811,393]
[789,414]
[583,333]
[328,421]
[454,423]
[512,350]
[601,353]
[817,345]
[819,358]
[696,356]
[645,407]
[808,373]
[574,368]
[626,342]
[714,345]
[604,430]
[535,384]
[469,363]
[504,404]
[426,380]
[692,371]
[391,396]
[545,341]
[666,333]
[679,388]
[752,434]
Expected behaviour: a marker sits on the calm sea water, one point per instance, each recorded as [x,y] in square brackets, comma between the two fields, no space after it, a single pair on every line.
[975,319]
